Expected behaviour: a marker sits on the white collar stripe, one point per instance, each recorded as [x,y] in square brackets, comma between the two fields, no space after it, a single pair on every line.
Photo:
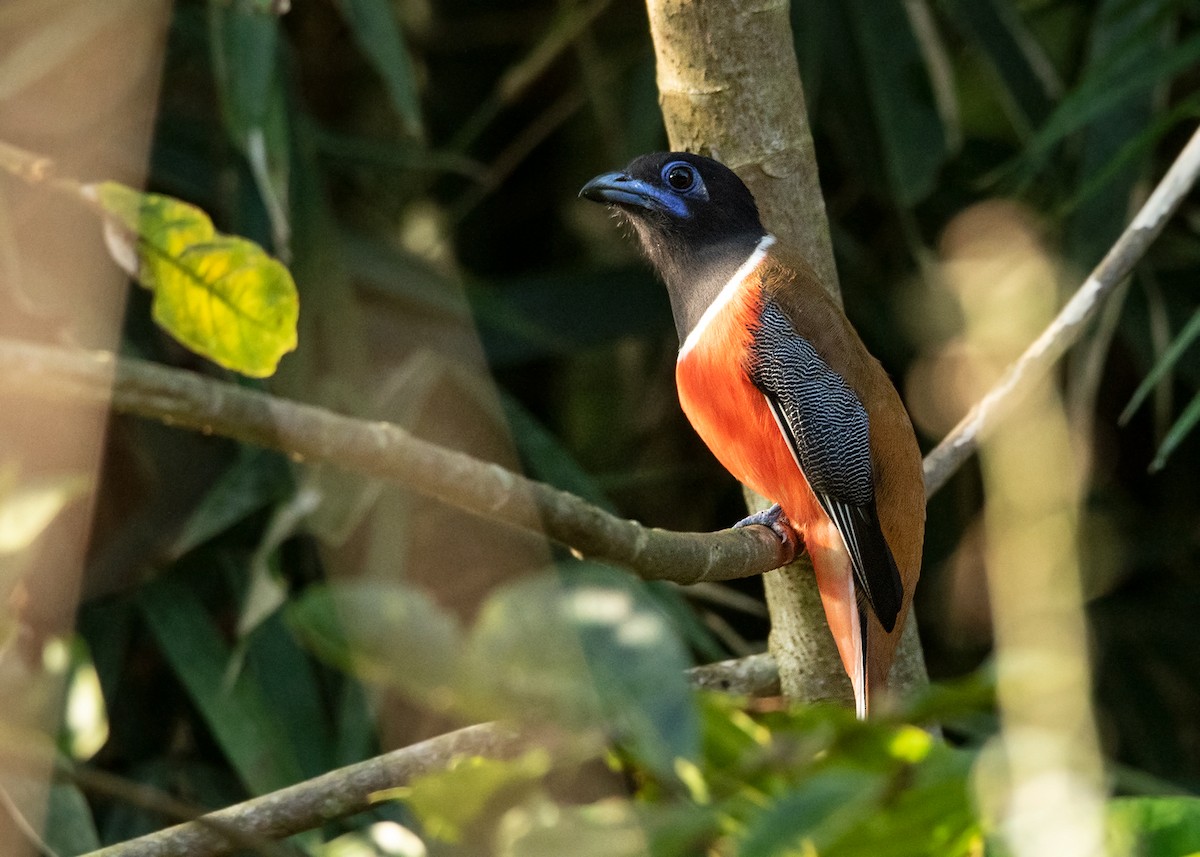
[726,294]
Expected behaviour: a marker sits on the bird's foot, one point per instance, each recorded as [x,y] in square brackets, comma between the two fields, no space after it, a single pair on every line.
[775,520]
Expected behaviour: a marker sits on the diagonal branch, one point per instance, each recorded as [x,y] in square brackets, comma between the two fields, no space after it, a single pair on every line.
[944,460]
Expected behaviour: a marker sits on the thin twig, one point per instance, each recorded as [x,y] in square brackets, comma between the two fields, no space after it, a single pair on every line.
[1070,322]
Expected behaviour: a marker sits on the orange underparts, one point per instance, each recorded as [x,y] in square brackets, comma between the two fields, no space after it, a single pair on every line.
[733,418]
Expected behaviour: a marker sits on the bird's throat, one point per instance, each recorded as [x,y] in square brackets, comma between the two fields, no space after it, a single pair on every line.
[701,291]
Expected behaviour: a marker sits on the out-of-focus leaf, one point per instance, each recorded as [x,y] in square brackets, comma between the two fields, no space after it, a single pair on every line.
[811,23]
[287,679]
[535,316]
[85,718]
[69,829]
[385,633]
[1165,364]
[244,40]
[947,701]
[398,155]
[1176,434]
[255,479]
[448,802]
[599,655]
[932,816]
[730,736]
[912,138]
[1028,83]
[1132,152]
[1103,91]
[1155,826]
[267,590]
[814,815]
[220,295]
[1134,34]
[373,24]
[354,725]
[547,459]
[245,727]
[608,828]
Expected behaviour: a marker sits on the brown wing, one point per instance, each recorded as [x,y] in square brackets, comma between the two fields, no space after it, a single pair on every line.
[895,457]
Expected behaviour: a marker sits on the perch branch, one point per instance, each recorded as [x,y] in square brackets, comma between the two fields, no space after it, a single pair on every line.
[385,451]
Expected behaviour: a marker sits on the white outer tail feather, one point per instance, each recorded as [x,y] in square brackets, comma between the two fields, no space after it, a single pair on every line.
[859,679]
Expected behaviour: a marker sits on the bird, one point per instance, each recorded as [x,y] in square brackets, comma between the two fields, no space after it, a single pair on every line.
[782,390]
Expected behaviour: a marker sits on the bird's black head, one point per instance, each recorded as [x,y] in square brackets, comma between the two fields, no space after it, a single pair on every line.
[694,218]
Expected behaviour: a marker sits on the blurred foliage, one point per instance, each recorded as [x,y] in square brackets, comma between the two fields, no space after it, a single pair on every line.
[416,164]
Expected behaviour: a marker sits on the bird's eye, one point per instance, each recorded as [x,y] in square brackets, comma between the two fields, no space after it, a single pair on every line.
[680,177]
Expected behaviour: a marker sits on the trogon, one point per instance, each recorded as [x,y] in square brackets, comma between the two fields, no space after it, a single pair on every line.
[779,385]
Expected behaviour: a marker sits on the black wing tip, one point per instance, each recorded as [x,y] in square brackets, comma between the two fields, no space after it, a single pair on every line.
[875,569]
[887,610]
[887,618]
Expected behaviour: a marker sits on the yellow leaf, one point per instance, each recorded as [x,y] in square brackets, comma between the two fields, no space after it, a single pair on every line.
[220,295]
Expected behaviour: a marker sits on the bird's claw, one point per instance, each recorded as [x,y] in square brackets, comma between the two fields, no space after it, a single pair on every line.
[775,520]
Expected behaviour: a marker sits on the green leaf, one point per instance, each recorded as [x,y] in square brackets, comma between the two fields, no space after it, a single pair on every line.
[897,81]
[268,590]
[244,39]
[1133,34]
[933,814]
[287,678]
[1155,826]
[1165,364]
[255,479]
[817,812]
[448,802]
[1176,434]
[599,655]
[1024,73]
[547,458]
[1102,92]
[243,724]
[609,828]
[220,295]
[386,633]
[69,828]
[374,27]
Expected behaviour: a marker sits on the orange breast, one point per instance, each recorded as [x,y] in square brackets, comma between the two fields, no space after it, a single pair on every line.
[732,416]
